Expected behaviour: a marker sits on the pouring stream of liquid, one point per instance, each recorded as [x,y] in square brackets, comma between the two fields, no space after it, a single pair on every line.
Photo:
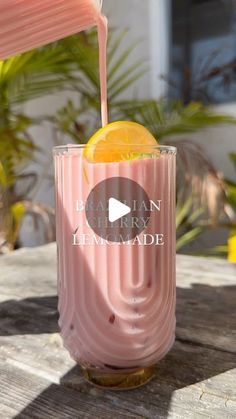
[102,41]
[25,25]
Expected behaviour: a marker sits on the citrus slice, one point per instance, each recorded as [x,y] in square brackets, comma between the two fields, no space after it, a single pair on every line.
[119,141]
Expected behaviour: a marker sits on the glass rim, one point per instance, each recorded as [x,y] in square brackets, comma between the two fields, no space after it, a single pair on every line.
[69,147]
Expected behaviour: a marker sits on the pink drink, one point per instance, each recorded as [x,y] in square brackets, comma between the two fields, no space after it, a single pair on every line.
[27,24]
[117,300]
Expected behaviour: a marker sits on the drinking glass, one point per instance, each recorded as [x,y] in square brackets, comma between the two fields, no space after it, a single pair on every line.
[117,292]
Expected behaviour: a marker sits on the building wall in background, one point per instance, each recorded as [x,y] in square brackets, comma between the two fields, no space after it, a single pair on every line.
[137,15]
[134,16]
[136,19]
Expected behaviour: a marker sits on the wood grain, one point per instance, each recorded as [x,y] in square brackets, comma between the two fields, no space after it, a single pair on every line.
[39,380]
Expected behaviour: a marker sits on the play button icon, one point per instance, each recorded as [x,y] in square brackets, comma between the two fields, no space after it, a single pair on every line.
[117,209]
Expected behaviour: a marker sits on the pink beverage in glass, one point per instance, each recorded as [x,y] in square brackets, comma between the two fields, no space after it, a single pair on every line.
[27,24]
[116,299]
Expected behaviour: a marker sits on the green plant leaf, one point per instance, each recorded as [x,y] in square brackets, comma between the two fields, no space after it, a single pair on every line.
[115,40]
[3,176]
[233,158]
[188,237]
[34,73]
[17,212]
[182,210]
[165,119]
[231,192]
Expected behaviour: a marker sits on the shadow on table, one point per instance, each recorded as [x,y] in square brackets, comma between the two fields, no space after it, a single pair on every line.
[201,311]
[203,316]
[29,316]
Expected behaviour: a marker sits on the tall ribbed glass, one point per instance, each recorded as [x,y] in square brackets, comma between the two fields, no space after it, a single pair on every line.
[116,299]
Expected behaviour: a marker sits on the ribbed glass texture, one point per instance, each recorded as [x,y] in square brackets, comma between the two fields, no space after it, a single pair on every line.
[116,300]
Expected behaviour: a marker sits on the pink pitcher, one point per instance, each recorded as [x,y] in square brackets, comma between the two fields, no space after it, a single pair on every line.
[27,24]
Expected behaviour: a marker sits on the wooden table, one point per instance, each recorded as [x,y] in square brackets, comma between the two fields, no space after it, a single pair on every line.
[197,379]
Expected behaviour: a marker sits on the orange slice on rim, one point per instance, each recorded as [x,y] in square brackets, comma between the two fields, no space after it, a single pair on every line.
[121,140]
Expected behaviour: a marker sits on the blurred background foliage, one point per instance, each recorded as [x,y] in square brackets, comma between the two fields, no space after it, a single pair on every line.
[204,199]
[22,79]
[231,195]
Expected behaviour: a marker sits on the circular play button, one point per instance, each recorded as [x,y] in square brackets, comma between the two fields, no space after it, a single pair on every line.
[118,209]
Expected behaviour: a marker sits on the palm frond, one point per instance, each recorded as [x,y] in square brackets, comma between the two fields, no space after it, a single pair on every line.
[183,210]
[231,186]
[82,52]
[233,158]
[165,119]
[34,73]
[188,224]
[115,41]
[188,237]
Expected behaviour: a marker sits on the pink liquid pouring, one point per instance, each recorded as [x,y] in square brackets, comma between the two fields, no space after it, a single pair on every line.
[27,24]
[117,301]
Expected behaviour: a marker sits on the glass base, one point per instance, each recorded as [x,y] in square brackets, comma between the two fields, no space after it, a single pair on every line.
[119,380]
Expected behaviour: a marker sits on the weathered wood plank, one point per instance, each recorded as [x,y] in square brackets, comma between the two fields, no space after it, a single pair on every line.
[197,379]
[26,396]
[42,355]
[37,268]
[191,382]
[190,379]
[206,315]
[212,271]
[206,297]
[28,273]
